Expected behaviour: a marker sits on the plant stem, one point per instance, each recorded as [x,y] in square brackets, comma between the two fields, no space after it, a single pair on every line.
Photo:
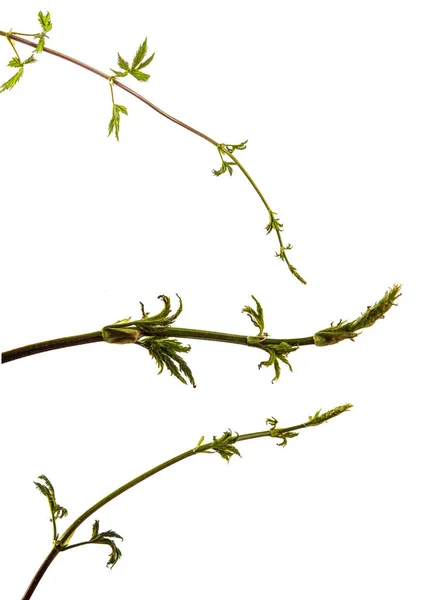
[282,248]
[66,342]
[177,332]
[116,82]
[40,573]
[211,447]
[222,148]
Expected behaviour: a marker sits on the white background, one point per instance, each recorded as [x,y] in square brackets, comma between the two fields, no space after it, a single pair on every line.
[328,95]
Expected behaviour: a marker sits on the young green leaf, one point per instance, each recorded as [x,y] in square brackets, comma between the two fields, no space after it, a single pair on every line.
[114,124]
[106,538]
[318,418]
[140,55]
[47,489]
[14,62]
[285,436]
[140,76]
[10,83]
[256,316]
[29,60]
[123,64]
[145,62]
[226,166]
[232,147]
[166,353]
[45,21]
[224,445]
[345,330]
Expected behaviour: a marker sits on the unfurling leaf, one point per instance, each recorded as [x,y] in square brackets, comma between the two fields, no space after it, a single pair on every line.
[284,435]
[232,147]
[345,330]
[114,124]
[318,418]
[47,489]
[226,166]
[106,538]
[45,21]
[224,445]
[256,316]
[10,83]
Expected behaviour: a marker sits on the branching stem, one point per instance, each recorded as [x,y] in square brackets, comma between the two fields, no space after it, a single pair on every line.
[223,446]
[222,148]
[106,76]
[177,332]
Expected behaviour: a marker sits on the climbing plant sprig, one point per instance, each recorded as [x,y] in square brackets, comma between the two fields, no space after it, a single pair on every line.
[157,334]
[136,69]
[16,62]
[224,445]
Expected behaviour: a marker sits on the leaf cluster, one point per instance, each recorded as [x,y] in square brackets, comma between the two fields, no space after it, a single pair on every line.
[277,351]
[46,25]
[318,418]
[348,330]
[227,165]
[16,62]
[106,537]
[138,63]
[114,124]
[224,445]
[152,329]
[278,433]
[47,489]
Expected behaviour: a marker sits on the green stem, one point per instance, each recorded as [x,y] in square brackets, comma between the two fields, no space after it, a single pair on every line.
[283,249]
[8,36]
[177,332]
[111,81]
[200,449]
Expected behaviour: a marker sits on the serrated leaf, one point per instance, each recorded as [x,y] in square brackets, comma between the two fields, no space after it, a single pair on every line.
[224,445]
[121,108]
[232,147]
[166,353]
[256,315]
[105,537]
[40,45]
[47,489]
[10,83]
[123,64]
[95,529]
[146,62]
[140,76]
[119,73]
[31,59]
[226,166]
[114,124]
[140,54]
[14,62]
[45,21]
